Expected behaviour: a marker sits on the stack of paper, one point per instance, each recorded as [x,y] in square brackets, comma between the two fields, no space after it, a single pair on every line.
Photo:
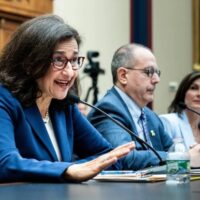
[195,174]
[129,176]
[153,174]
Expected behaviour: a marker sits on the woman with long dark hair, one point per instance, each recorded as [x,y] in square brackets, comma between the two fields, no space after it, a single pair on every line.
[182,122]
[39,131]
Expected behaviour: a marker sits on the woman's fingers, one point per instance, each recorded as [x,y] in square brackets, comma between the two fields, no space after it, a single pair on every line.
[130,145]
[87,170]
[123,150]
[193,145]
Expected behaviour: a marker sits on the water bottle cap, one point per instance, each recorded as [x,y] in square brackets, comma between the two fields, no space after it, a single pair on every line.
[178,156]
[180,147]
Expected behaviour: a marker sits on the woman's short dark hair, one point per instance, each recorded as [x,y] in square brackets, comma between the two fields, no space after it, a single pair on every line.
[182,89]
[27,56]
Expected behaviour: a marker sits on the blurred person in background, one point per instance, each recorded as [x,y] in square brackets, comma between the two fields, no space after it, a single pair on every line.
[183,123]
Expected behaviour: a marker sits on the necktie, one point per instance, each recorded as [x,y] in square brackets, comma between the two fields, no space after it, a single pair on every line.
[143,121]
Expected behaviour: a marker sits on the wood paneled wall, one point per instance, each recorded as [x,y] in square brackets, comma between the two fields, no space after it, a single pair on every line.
[15,12]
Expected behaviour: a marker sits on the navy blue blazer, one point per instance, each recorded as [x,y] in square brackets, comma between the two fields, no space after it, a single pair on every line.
[26,151]
[139,158]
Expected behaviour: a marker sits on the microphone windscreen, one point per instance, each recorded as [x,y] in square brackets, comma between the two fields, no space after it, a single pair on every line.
[182,105]
[72,98]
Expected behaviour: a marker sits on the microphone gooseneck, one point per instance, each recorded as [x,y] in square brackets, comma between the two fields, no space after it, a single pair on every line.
[184,106]
[75,99]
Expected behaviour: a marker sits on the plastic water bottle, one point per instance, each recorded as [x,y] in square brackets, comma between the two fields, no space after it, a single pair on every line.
[178,163]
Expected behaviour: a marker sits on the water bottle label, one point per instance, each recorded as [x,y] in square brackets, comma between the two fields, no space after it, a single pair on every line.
[178,171]
[178,166]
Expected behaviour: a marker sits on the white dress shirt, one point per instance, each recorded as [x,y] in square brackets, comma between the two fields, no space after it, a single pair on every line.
[135,111]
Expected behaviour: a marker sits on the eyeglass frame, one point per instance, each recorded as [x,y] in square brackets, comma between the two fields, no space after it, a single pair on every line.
[147,72]
[75,66]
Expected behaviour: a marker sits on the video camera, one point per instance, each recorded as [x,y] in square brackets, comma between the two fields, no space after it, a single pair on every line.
[93,68]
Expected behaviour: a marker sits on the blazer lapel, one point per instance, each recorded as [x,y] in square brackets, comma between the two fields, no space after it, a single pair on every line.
[184,127]
[152,132]
[123,106]
[35,120]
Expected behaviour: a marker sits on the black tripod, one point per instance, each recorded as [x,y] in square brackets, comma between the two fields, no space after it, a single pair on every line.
[93,69]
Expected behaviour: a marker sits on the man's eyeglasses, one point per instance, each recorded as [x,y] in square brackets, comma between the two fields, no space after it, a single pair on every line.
[149,71]
[60,62]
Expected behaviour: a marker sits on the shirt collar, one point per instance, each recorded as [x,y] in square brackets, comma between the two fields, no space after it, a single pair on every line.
[134,109]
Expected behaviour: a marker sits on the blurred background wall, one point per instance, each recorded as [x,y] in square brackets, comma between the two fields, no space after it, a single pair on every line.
[105,25]
[172,45]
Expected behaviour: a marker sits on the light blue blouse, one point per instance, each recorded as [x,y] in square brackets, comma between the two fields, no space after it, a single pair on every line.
[178,126]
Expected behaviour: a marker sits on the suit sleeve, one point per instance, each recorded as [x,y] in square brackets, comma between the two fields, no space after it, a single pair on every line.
[138,158]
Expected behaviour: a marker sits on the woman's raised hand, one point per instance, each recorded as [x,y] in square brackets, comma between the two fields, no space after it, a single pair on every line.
[85,171]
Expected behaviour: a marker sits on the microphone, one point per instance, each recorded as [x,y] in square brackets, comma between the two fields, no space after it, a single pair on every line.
[184,106]
[71,99]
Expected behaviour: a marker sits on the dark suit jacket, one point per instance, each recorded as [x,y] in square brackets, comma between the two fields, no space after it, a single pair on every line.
[113,104]
[26,151]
